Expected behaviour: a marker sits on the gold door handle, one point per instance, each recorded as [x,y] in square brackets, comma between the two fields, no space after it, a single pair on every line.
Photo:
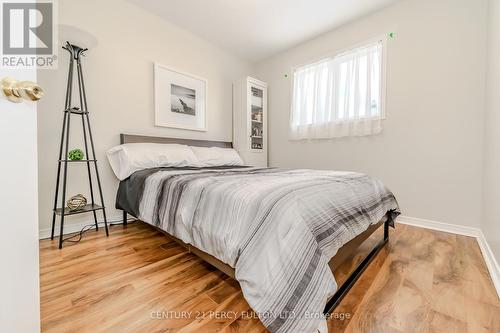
[16,91]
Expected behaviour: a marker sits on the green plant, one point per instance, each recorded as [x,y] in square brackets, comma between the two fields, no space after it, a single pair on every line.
[75,155]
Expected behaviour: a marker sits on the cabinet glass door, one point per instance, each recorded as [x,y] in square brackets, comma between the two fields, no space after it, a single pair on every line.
[257,118]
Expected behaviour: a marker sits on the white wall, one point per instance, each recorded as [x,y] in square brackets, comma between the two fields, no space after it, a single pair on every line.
[119,81]
[19,277]
[430,152]
[491,225]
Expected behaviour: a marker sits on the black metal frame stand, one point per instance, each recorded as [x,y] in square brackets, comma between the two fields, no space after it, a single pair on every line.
[351,280]
[75,57]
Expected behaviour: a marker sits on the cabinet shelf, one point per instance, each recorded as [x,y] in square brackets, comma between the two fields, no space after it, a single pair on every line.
[86,209]
[76,111]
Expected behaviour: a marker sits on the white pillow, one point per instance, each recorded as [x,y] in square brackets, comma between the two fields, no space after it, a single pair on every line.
[128,158]
[215,156]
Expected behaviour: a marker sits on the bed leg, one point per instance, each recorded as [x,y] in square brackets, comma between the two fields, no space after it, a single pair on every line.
[124,218]
[386,231]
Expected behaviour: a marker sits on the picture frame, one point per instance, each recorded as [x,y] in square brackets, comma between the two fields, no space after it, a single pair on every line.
[180,99]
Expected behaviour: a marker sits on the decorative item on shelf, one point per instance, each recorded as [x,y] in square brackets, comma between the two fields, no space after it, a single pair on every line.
[76,202]
[76,155]
[257,132]
[257,116]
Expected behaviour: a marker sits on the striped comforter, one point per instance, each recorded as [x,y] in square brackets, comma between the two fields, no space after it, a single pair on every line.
[277,228]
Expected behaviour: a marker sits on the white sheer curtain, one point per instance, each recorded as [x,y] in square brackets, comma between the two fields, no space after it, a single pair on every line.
[340,96]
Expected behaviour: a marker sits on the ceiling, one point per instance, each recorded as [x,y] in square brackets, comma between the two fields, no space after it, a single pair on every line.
[257,29]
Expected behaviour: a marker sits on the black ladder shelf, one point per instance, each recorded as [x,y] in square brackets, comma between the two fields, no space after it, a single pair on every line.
[75,57]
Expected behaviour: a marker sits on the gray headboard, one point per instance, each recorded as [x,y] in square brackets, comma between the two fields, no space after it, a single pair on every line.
[130,138]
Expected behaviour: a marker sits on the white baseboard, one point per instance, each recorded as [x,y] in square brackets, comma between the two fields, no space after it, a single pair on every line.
[488,256]
[70,227]
[440,226]
[490,260]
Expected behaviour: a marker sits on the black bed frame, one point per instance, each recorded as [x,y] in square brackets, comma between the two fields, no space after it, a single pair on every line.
[351,280]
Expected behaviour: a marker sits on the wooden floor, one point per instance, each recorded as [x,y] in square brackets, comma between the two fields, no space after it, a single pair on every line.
[138,280]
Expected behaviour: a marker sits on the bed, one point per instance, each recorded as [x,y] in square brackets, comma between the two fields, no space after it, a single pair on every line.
[280,233]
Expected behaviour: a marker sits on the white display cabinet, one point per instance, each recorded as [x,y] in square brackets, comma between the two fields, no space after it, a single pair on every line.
[250,120]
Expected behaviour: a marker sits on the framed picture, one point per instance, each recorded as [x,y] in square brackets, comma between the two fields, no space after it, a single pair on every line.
[180,99]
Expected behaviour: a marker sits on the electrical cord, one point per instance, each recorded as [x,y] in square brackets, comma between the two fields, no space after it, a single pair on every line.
[89,227]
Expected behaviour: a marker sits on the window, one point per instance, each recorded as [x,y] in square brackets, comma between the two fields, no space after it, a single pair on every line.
[340,96]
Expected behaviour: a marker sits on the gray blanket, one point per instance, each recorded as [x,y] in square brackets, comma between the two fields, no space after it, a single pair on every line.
[277,228]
